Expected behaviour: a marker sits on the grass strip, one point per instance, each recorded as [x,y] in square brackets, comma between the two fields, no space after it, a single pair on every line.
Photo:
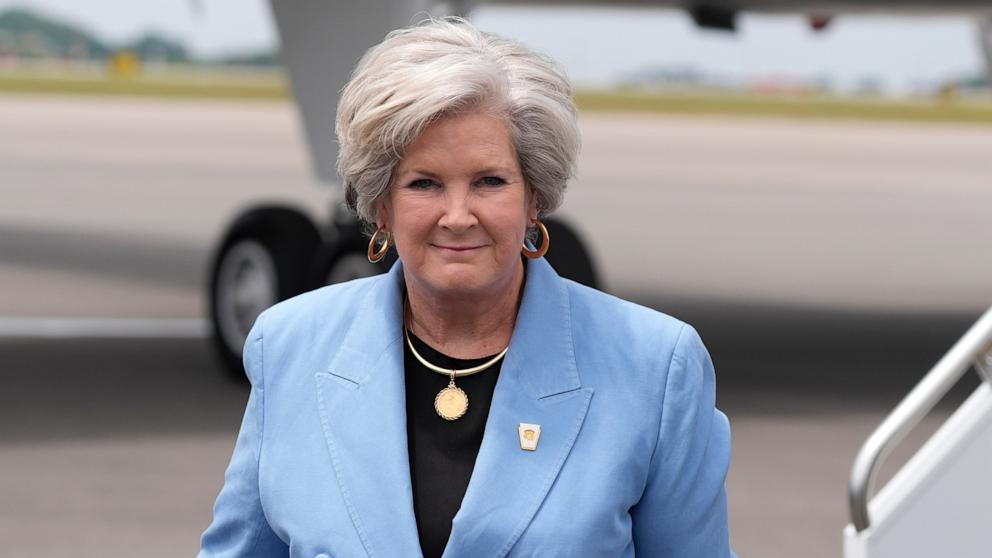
[166,86]
[734,104]
[218,85]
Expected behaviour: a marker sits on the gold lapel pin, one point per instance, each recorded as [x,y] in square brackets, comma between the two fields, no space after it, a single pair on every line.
[529,435]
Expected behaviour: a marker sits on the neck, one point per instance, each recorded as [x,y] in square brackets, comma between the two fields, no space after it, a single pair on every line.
[463,325]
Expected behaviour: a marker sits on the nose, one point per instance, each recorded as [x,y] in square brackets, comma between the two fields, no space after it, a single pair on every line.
[459,215]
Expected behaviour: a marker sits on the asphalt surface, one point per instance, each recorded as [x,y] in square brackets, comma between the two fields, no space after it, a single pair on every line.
[826,265]
[829,215]
[117,448]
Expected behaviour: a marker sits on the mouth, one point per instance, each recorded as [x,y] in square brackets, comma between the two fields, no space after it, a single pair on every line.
[456,249]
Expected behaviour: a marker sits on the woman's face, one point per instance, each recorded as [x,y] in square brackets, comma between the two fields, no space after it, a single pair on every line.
[458,207]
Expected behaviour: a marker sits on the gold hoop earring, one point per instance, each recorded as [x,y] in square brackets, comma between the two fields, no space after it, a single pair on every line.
[377,255]
[545,243]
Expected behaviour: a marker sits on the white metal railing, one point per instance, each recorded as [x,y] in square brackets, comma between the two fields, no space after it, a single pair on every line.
[973,349]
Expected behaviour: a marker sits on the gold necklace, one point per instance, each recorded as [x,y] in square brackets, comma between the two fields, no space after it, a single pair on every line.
[451,402]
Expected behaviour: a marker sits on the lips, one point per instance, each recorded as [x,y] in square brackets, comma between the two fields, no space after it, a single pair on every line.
[457,248]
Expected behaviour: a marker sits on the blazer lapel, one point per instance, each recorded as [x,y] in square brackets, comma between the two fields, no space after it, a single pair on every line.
[362,401]
[538,383]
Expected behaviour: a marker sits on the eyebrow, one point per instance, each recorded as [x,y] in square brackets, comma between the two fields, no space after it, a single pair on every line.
[419,171]
[486,170]
[502,170]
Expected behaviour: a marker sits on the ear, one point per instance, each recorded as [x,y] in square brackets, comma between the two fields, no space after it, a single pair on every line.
[383,213]
[532,211]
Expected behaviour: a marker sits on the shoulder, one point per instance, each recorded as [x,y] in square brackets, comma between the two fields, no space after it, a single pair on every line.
[326,305]
[618,341]
[595,313]
[296,337]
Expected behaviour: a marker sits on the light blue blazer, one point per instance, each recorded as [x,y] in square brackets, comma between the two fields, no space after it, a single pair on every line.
[631,458]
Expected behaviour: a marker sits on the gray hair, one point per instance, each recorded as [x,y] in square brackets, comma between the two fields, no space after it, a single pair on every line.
[419,74]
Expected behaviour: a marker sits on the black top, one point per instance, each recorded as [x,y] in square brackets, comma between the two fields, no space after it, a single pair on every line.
[442,452]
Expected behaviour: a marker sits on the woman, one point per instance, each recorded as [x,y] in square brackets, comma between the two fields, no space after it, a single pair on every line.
[470,401]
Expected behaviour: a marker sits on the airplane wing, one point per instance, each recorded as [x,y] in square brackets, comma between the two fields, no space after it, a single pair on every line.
[322,41]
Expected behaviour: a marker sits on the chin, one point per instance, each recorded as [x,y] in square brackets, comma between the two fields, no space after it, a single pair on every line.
[462,279]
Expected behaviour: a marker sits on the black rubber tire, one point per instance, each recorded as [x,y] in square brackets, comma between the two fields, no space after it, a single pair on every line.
[290,239]
[568,255]
[350,245]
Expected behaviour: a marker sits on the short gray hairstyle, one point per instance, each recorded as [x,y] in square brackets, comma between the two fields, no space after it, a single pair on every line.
[439,67]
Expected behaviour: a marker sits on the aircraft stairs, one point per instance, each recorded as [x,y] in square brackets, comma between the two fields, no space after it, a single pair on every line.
[939,504]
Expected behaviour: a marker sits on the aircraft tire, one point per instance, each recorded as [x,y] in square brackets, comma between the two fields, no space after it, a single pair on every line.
[346,259]
[569,256]
[264,258]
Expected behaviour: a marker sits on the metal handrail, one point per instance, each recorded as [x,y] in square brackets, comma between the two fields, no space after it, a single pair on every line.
[975,347]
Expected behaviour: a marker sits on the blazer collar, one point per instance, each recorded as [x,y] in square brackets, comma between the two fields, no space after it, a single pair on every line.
[374,331]
[363,411]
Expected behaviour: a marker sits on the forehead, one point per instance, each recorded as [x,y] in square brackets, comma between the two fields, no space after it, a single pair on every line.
[461,142]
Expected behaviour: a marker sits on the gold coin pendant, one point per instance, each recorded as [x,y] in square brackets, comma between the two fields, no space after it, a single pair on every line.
[451,402]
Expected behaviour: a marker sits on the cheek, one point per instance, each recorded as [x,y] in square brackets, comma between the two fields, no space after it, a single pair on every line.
[412,220]
[511,230]
[410,237]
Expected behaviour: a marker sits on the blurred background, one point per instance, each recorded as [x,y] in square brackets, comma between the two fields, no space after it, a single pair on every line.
[812,193]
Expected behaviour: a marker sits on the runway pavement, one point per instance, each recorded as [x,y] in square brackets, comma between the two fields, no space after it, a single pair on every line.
[829,215]
[117,448]
[827,266]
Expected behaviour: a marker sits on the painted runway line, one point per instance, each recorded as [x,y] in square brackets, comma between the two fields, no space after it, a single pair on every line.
[113,328]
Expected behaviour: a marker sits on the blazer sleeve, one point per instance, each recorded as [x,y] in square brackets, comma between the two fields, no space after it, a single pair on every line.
[239,527]
[683,510]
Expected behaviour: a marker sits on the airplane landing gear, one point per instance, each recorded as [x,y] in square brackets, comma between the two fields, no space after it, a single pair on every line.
[985,38]
[264,258]
[272,253]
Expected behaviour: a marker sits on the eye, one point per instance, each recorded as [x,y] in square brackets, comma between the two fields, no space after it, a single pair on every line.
[422,183]
[492,181]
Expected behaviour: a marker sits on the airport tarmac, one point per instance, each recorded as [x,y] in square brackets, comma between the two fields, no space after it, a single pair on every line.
[832,215]
[827,266]
[112,448]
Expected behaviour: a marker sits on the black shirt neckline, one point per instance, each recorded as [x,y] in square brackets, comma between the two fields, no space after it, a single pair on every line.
[442,453]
